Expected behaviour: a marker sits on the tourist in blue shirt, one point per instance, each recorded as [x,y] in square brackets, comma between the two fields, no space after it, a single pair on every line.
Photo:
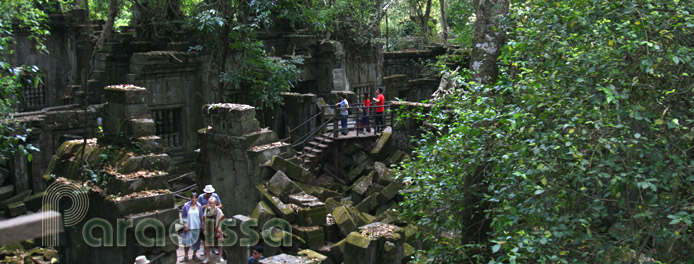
[209,192]
[256,254]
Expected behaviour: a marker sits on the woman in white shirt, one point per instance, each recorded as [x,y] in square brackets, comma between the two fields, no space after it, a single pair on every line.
[191,216]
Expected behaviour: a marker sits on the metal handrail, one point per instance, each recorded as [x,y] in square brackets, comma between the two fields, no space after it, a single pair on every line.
[310,135]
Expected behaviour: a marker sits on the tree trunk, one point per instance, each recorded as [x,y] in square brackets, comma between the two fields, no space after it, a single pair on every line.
[486,48]
[108,28]
[425,21]
[487,40]
[444,28]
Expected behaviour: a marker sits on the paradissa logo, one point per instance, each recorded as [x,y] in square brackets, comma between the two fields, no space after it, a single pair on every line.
[276,232]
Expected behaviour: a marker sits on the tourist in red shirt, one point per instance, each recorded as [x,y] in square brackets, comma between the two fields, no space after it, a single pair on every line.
[365,114]
[379,109]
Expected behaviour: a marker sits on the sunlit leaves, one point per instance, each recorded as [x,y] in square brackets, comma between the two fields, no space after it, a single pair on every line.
[586,143]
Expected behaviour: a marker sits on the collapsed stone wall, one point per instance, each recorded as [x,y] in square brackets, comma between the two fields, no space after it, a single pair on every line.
[50,127]
[409,62]
[62,63]
[125,175]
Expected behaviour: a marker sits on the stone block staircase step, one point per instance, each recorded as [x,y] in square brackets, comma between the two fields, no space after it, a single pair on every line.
[124,184]
[315,149]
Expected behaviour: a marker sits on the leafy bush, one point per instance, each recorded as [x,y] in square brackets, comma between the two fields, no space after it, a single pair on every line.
[27,16]
[583,149]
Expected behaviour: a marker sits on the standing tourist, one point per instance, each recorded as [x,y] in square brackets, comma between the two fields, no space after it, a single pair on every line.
[209,193]
[212,228]
[380,99]
[343,105]
[364,122]
[191,216]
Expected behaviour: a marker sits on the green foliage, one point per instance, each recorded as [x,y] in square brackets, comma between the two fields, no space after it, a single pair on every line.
[25,15]
[583,147]
[261,77]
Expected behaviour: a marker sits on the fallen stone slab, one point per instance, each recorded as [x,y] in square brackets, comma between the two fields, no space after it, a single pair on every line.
[239,253]
[282,186]
[347,218]
[312,235]
[262,213]
[18,208]
[150,144]
[368,204]
[313,214]
[380,150]
[359,157]
[287,259]
[315,256]
[6,192]
[293,171]
[283,210]
[331,204]
[144,201]
[358,170]
[333,251]
[302,198]
[389,192]
[34,202]
[390,241]
[17,198]
[397,157]
[375,189]
[359,188]
[384,175]
[123,184]
[319,192]
[360,249]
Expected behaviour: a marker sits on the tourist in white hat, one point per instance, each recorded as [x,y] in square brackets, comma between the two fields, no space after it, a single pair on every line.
[209,192]
[141,260]
[203,199]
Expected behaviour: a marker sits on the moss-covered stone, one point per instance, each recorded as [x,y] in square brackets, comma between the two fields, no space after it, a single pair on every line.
[14,199]
[293,171]
[315,256]
[359,249]
[127,185]
[347,218]
[368,204]
[280,185]
[281,209]
[142,204]
[359,188]
[312,235]
[319,192]
[357,171]
[396,157]
[380,150]
[308,216]
[331,204]
[262,213]
[384,175]
[287,259]
[34,202]
[389,192]
[408,251]
[18,208]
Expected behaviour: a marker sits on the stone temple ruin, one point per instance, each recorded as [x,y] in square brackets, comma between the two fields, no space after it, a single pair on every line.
[146,136]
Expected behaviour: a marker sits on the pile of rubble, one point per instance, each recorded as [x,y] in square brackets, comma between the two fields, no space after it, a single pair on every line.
[355,222]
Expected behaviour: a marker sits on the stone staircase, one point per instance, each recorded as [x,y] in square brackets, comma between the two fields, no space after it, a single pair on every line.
[127,173]
[315,149]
